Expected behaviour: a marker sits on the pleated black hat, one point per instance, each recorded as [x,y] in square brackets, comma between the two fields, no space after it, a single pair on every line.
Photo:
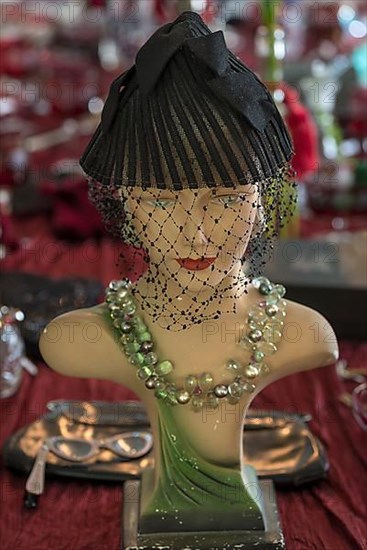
[188,114]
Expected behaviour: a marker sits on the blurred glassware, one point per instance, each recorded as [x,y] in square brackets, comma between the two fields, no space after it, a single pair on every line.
[359,405]
[357,400]
[12,358]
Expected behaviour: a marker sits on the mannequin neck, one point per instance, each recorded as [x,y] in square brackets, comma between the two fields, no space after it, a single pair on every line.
[170,300]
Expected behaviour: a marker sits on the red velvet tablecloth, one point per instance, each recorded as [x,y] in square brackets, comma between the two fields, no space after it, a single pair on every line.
[81,515]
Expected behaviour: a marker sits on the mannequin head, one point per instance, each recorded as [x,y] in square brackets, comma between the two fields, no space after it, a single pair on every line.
[190,155]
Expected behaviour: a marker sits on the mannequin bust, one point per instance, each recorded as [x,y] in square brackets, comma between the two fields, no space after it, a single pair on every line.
[214,435]
[218,340]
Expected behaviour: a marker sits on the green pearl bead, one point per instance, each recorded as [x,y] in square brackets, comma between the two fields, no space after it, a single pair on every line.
[212,401]
[127,338]
[122,293]
[258,281]
[139,326]
[137,359]
[191,382]
[232,400]
[275,325]
[258,356]
[151,358]
[267,348]
[258,316]
[272,298]
[171,393]
[271,335]
[129,309]
[144,373]
[144,337]
[114,285]
[246,343]
[160,384]
[233,366]
[131,348]
[115,312]
[126,301]
[255,335]
[164,367]
[125,283]
[279,316]
[249,388]
[271,310]
[126,327]
[265,368]
[235,389]
[206,381]
[161,394]
[171,398]
[197,403]
[281,290]
[265,288]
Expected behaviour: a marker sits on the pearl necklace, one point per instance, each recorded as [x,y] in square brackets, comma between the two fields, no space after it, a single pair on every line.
[265,324]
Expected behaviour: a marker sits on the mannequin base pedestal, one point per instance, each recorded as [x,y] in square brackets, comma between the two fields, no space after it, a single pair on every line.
[271,538]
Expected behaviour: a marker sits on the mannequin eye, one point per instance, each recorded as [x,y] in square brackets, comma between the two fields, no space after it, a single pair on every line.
[161,203]
[227,200]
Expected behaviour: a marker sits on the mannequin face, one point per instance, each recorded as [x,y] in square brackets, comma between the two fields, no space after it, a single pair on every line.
[195,237]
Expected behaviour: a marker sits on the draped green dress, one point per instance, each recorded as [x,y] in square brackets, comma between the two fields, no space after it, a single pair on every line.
[191,493]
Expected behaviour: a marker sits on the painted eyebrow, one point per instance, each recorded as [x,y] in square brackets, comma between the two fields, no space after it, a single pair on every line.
[168,194]
[162,193]
[229,191]
[157,197]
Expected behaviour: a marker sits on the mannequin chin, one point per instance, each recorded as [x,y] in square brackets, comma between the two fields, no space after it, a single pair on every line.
[199,284]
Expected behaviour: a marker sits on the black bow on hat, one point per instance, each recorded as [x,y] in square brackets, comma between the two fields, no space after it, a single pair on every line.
[242,90]
[112,102]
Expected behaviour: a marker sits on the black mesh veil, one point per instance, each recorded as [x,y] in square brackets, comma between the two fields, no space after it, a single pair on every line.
[190,164]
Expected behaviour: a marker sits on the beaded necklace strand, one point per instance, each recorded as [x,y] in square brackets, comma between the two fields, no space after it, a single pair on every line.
[265,324]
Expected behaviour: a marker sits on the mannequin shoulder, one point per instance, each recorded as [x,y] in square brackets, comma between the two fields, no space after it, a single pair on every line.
[66,328]
[310,336]
[81,342]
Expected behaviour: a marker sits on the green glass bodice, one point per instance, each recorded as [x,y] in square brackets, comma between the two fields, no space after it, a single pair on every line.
[191,493]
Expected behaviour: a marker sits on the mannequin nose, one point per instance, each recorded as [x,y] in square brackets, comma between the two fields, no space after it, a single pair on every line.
[194,233]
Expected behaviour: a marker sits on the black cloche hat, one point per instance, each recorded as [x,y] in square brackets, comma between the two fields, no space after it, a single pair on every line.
[188,114]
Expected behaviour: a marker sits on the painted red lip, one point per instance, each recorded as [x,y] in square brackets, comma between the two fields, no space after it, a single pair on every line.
[195,265]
